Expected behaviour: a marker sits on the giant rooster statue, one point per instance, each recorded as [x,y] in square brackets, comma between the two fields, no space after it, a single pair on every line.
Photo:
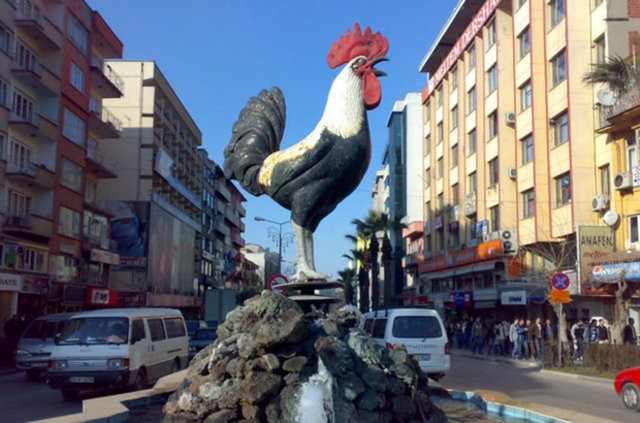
[311,177]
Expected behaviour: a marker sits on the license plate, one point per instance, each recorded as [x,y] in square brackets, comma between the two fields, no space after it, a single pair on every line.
[39,364]
[424,357]
[81,379]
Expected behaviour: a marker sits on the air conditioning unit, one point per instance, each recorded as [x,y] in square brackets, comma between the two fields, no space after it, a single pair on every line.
[599,202]
[492,236]
[623,181]
[510,118]
[512,173]
[509,241]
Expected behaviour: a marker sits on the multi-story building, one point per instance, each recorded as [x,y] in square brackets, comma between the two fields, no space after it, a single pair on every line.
[54,244]
[156,198]
[267,262]
[222,227]
[511,157]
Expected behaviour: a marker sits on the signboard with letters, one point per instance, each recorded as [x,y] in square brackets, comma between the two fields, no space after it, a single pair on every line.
[10,282]
[514,298]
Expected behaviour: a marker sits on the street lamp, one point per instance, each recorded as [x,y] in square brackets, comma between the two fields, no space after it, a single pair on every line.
[262,219]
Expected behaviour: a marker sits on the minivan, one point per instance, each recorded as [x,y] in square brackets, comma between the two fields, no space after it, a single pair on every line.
[420,330]
[35,345]
[117,348]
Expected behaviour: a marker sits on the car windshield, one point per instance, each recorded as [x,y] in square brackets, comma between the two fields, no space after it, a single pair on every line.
[95,330]
[416,327]
[204,335]
[43,329]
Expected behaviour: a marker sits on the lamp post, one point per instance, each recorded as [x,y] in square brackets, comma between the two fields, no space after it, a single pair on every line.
[262,219]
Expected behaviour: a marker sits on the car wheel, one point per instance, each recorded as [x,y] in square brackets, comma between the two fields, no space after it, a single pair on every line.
[631,396]
[33,375]
[141,380]
[69,394]
[175,366]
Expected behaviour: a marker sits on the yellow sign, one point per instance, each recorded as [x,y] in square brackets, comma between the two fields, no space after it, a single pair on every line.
[560,296]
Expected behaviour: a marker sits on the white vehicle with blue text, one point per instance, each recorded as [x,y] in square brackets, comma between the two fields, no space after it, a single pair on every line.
[116,348]
[420,330]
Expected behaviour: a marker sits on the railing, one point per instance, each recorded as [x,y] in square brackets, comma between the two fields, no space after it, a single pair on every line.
[108,72]
[104,113]
[30,65]
[20,220]
[32,118]
[27,168]
[27,11]
[627,101]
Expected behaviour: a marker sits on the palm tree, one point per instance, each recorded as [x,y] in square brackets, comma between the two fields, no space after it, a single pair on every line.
[346,276]
[362,256]
[616,72]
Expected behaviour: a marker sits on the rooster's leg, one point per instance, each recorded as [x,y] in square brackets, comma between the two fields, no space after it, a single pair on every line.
[305,263]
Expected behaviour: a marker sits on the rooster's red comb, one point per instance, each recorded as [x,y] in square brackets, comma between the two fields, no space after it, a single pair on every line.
[357,44]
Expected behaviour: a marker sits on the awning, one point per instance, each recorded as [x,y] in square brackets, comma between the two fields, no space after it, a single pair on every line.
[463,270]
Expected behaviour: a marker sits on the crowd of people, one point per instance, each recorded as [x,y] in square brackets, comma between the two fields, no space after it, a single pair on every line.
[523,338]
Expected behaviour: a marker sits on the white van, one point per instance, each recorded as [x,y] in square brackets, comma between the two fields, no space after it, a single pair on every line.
[118,348]
[420,330]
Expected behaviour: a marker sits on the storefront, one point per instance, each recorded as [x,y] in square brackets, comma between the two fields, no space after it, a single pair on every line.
[10,286]
[32,298]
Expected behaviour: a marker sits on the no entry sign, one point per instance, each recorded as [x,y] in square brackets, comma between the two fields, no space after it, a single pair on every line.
[277,280]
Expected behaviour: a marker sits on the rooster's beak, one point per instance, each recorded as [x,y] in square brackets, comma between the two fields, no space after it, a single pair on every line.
[374,62]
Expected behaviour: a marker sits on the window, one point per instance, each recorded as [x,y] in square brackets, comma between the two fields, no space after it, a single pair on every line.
[492,79]
[74,128]
[453,79]
[32,259]
[471,142]
[76,77]
[439,168]
[454,156]
[632,153]
[3,144]
[528,202]
[378,328]
[471,100]
[71,176]
[77,34]
[526,145]
[605,176]
[440,133]
[494,218]
[23,106]
[563,189]
[455,194]
[524,42]
[137,330]
[19,155]
[25,58]
[427,112]
[175,327]
[559,68]
[634,228]
[427,145]
[18,204]
[471,58]
[454,117]
[561,129]
[156,329]
[69,223]
[4,93]
[472,182]
[557,12]
[600,50]
[491,33]
[427,177]
[525,96]
[439,96]
[5,39]
[494,176]
[471,225]
[492,123]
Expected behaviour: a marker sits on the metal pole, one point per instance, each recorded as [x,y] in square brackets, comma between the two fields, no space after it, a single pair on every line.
[280,250]
[558,335]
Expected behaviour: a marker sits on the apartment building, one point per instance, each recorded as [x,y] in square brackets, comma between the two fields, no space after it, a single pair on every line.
[54,242]
[156,198]
[222,227]
[512,160]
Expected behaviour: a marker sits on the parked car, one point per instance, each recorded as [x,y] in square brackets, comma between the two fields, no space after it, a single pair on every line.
[420,330]
[201,338]
[118,348]
[192,325]
[627,386]
[34,347]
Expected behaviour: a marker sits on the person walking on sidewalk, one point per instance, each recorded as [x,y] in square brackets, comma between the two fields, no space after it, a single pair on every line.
[629,333]
[578,335]
[592,331]
[523,339]
[535,332]
[549,334]
[477,336]
[513,337]
[603,332]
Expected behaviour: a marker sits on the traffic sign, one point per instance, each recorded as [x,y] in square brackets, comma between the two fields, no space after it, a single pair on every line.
[277,280]
[560,281]
[560,296]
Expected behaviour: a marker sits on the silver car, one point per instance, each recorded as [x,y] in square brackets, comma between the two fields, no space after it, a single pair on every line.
[37,341]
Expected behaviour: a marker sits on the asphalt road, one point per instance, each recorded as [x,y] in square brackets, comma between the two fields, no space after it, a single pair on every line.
[585,395]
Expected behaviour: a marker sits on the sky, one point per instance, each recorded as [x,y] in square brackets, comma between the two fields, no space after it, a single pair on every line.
[217,54]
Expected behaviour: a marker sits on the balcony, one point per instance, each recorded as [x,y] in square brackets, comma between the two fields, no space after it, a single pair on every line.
[411,260]
[38,128]
[105,80]
[30,225]
[37,77]
[222,228]
[30,174]
[470,203]
[27,124]
[33,25]
[23,221]
[98,166]
[413,230]
[620,112]
[102,122]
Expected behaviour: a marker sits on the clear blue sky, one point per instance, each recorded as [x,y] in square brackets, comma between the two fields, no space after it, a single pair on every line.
[217,54]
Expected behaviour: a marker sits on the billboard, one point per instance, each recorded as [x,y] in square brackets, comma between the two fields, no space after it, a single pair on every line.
[171,252]
[130,229]
[594,244]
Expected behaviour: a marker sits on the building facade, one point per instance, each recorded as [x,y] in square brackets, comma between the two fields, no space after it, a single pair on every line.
[55,249]
[512,160]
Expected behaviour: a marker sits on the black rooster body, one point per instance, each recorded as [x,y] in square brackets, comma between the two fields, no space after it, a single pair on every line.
[311,177]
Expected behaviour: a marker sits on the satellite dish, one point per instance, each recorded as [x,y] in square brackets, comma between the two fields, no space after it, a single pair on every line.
[606,97]
[610,218]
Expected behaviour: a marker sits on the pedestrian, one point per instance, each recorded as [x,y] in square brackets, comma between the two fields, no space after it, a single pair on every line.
[477,336]
[513,337]
[578,337]
[549,333]
[506,342]
[457,330]
[523,338]
[603,333]
[535,333]
[498,339]
[466,328]
[592,331]
[629,333]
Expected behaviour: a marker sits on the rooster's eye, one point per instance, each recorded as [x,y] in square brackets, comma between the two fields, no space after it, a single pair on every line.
[359,62]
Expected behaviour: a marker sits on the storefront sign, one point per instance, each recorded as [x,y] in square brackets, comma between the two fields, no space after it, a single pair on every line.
[133,262]
[484,251]
[461,299]
[67,248]
[102,297]
[102,256]
[514,298]
[614,272]
[10,282]
[132,299]
[35,285]
[594,245]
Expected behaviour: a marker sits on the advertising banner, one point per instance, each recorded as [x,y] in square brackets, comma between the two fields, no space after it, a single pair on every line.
[130,229]
[594,244]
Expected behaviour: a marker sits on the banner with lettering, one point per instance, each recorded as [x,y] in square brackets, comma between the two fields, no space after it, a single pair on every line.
[594,244]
